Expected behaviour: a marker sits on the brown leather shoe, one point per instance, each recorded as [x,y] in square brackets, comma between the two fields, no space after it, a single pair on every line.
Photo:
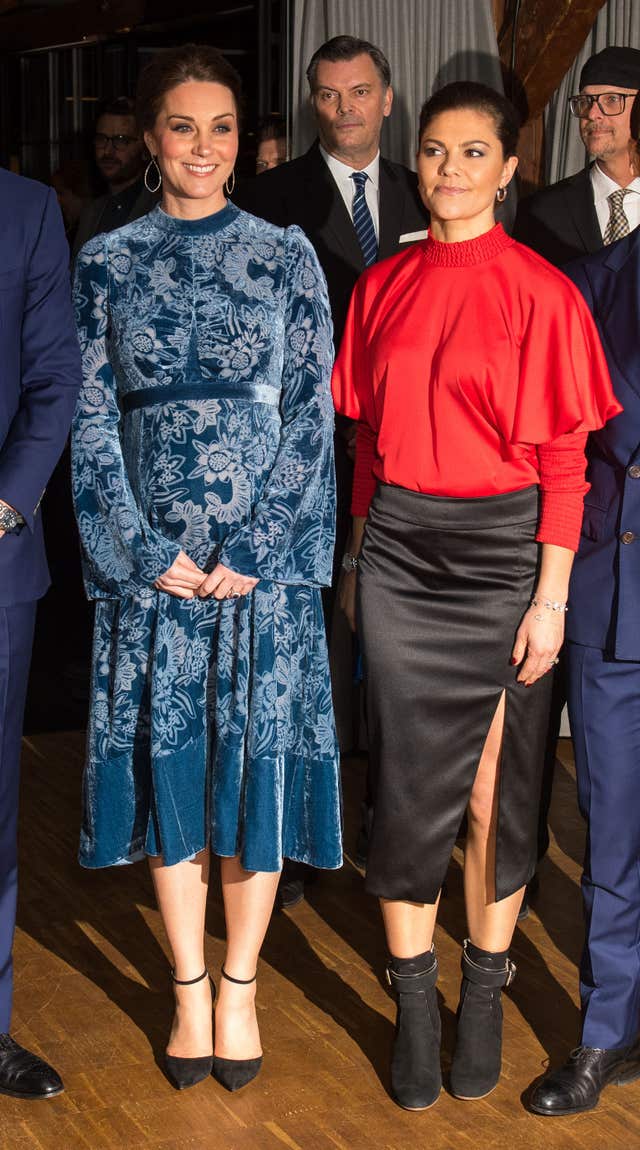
[23,1074]
[577,1085]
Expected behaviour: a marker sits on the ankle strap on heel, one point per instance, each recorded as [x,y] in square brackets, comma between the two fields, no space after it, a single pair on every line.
[188,981]
[238,981]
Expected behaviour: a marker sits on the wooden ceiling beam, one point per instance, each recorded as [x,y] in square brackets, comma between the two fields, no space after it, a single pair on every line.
[549,35]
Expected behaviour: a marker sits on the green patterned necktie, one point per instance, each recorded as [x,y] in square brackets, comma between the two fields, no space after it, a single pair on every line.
[618,225]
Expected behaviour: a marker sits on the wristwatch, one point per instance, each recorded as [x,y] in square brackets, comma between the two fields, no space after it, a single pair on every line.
[350,562]
[11,522]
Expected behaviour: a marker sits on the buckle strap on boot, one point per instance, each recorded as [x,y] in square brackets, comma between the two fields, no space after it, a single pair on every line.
[478,974]
[415,983]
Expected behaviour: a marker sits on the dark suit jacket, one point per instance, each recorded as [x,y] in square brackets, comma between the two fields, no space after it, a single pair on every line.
[604,601]
[560,222]
[89,222]
[304,192]
[40,371]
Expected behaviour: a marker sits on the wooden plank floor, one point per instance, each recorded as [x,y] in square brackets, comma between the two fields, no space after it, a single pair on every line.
[92,994]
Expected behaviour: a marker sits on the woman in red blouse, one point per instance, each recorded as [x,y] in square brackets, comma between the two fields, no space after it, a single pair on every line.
[475,373]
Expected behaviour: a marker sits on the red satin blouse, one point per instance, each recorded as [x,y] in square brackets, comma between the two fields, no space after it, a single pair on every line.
[473,369]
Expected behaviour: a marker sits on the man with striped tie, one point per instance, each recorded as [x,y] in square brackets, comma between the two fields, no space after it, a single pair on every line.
[356,207]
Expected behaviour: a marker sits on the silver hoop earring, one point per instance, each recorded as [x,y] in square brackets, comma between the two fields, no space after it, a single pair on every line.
[501,195]
[229,190]
[152,164]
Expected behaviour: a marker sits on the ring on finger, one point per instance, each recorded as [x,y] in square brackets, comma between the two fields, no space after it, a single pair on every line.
[233,594]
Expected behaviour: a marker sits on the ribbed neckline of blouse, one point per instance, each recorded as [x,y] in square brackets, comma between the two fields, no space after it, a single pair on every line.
[466,253]
[202,227]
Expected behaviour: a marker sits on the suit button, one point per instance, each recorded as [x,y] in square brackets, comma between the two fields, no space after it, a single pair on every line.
[634,471]
[627,537]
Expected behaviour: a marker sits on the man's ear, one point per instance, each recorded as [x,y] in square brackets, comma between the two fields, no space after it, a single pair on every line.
[388,101]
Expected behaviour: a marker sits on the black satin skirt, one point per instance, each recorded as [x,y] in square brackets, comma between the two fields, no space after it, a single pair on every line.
[443,585]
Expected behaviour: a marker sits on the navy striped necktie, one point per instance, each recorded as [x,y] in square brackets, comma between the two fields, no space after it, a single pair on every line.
[362,220]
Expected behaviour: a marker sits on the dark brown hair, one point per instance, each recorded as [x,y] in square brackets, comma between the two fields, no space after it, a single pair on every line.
[347,48]
[479,98]
[168,69]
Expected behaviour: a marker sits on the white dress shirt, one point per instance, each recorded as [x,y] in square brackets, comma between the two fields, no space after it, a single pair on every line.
[603,186]
[342,176]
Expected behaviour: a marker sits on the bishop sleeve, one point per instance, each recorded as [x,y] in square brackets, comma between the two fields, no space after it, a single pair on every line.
[290,536]
[121,553]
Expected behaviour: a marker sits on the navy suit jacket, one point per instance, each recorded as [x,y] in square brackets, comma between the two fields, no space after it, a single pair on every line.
[40,371]
[604,609]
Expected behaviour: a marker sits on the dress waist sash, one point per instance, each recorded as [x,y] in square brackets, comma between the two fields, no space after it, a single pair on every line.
[200,389]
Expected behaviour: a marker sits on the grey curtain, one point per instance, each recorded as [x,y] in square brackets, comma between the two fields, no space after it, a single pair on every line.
[618,22]
[428,43]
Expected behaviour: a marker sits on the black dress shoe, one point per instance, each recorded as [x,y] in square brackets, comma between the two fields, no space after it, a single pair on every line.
[23,1074]
[577,1085]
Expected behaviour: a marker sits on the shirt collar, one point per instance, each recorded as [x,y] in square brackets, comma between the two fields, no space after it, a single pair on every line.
[341,171]
[603,185]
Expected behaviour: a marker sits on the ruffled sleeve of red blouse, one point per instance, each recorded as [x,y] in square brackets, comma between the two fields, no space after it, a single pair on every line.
[353,397]
[564,382]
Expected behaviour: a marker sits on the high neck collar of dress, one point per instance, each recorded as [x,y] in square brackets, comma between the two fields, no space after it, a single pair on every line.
[205,226]
[466,253]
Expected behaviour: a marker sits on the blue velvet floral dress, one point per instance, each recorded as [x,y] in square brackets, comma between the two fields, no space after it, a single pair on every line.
[205,424]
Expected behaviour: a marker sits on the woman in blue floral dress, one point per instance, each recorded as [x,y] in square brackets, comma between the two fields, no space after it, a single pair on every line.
[203,476]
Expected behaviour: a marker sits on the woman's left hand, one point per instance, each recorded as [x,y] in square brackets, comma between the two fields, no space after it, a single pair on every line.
[540,636]
[223,583]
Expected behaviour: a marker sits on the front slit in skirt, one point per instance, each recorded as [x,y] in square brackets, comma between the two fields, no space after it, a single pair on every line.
[443,586]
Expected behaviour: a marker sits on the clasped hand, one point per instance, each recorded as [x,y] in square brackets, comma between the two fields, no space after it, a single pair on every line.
[540,640]
[186,580]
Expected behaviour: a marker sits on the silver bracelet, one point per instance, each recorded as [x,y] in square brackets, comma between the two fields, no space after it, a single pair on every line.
[549,604]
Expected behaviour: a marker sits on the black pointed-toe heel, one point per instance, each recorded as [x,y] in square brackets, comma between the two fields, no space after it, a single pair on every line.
[234,1073]
[186,1072]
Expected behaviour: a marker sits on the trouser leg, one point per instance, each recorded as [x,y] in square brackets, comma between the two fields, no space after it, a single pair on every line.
[16,637]
[604,709]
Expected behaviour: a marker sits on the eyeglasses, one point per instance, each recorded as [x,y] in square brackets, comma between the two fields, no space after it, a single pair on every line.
[118,143]
[609,103]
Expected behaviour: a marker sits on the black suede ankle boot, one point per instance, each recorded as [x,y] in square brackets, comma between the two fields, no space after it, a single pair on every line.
[477,1058]
[416,1079]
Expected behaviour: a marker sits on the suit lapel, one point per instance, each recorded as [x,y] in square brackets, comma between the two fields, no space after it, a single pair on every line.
[391,211]
[581,208]
[328,212]
[616,289]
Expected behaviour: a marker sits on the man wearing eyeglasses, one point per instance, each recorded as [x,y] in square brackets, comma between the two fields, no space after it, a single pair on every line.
[602,202]
[120,158]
